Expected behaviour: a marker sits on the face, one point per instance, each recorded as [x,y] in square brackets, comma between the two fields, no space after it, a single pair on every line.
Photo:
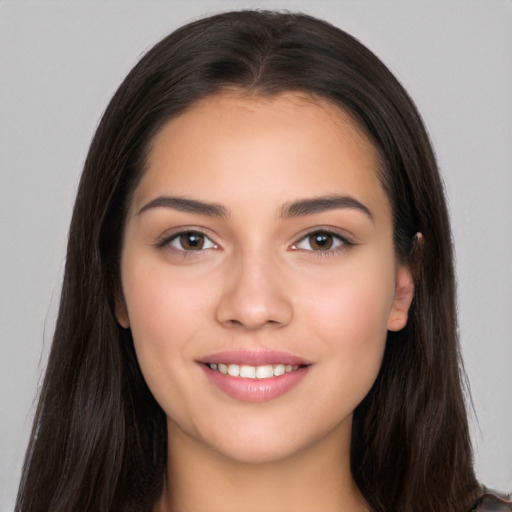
[259,275]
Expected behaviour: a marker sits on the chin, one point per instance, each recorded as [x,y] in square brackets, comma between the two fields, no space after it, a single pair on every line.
[258,453]
[271,444]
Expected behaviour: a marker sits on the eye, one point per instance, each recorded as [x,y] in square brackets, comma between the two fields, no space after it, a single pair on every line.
[321,241]
[190,241]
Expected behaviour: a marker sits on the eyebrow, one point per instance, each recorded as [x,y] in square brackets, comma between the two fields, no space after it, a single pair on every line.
[298,208]
[322,204]
[183,204]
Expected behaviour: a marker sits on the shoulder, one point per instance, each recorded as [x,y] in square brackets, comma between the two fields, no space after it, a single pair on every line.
[492,501]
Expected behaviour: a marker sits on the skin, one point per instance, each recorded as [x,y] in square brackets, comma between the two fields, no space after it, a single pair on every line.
[261,283]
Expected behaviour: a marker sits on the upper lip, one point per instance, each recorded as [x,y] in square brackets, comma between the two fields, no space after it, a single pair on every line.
[254,357]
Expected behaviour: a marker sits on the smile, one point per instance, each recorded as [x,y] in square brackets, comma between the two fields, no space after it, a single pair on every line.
[253,372]
[254,376]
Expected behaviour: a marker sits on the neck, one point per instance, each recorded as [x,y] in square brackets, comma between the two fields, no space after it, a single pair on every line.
[203,480]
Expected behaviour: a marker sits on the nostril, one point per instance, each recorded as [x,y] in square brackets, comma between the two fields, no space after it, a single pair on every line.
[233,323]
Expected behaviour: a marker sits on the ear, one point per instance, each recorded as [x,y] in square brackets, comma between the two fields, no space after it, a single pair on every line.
[121,312]
[404,293]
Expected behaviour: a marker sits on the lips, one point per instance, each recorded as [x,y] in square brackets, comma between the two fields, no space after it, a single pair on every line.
[254,376]
[255,358]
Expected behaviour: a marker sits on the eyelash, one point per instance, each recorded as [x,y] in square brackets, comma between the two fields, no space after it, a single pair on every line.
[342,242]
[167,241]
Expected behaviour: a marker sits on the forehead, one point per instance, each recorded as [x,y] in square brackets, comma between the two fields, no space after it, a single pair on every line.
[235,145]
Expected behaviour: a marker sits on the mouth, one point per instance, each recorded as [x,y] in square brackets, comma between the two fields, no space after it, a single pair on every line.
[254,376]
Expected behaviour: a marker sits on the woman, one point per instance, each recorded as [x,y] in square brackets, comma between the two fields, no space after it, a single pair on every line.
[258,306]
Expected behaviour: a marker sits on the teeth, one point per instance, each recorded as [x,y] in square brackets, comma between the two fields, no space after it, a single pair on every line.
[264,372]
[249,372]
[253,372]
[234,370]
[278,369]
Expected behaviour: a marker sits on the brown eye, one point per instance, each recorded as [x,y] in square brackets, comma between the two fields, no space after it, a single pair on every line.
[191,241]
[320,241]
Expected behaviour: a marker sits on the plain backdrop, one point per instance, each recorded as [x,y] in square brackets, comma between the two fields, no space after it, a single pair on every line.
[60,62]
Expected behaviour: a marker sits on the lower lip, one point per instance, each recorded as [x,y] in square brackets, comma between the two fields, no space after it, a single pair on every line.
[255,390]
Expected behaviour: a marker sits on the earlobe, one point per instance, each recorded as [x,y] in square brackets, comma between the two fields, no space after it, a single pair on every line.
[404,293]
[122,313]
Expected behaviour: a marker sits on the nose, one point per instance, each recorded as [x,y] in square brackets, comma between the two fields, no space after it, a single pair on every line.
[254,294]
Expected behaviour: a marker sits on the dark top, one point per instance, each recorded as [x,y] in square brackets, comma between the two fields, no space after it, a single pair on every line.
[491,501]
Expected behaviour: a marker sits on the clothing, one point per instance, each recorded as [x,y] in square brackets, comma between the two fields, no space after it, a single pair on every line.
[491,501]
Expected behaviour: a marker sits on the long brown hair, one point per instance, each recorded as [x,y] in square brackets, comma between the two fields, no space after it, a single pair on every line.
[99,439]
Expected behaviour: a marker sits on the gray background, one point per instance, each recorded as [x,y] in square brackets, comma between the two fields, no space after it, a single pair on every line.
[61,61]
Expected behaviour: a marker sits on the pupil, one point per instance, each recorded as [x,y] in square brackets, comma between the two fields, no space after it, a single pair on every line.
[321,241]
[192,241]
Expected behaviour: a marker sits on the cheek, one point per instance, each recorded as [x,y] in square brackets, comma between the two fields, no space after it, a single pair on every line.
[353,304]
[160,305]
[348,316]
[163,318]
[352,328]
[147,297]
[163,311]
